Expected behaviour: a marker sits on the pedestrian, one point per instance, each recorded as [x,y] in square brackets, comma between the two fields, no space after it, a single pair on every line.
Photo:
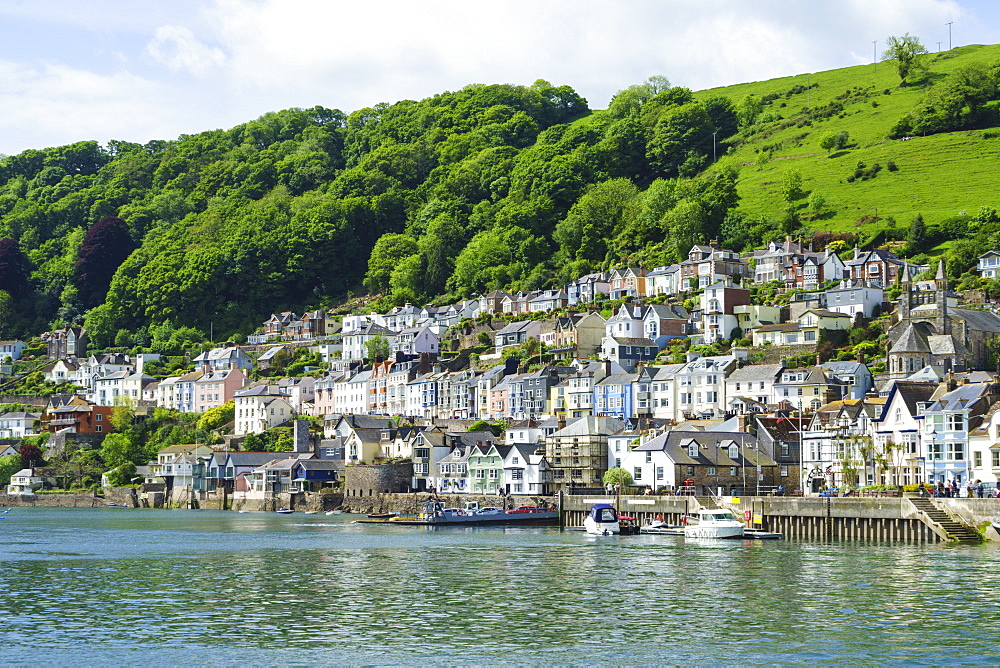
[920,490]
[940,489]
[979,489]
[609,488]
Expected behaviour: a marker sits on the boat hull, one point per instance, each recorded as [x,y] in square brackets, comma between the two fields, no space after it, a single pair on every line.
[537,518]
[709,531]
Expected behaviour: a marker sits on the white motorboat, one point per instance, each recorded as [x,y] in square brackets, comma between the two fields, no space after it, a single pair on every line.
[334,512]
[602,520]
[715,523]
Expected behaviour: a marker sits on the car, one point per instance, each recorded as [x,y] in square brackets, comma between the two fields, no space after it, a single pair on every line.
[489,510]
[524,509]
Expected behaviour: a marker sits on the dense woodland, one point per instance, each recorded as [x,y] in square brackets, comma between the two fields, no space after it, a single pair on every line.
[492,186]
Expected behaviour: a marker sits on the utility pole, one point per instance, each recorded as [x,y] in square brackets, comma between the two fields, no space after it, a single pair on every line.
[949,34]
[939,47]
[874,56]
[713,145]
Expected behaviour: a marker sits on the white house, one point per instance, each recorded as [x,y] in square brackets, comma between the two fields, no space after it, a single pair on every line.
[989,264]
[259,408]
[18,425]
[12,349]
[24,483]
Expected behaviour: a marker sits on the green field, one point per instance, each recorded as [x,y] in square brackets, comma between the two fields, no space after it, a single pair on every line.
[939,176]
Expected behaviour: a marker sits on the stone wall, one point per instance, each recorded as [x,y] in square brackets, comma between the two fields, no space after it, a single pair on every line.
[369,479]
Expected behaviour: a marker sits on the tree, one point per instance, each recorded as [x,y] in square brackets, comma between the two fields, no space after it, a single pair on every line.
[31,455]
[908,53]
[377,346]
[916,237]
[14,268]
[828,141]
[617,476]
[120,448]
[214,418]
[105,246]
[121,475]
[747,110]
[389,250]
[791,186]
[9,465]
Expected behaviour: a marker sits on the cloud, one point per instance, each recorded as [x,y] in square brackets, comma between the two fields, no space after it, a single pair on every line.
[54,105]
[191,65]
[177,48]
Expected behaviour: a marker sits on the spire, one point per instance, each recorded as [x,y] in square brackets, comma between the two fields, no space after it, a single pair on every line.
[940,272]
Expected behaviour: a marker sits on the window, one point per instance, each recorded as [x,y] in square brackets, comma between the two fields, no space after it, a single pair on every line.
[784,471]
[734,451]
[98,417]
[956,422]
[659,473]
[977,459]
[956,450]
[935,451]
[99,428]
[995,456]
[711,470]
[637,473]
[733,471]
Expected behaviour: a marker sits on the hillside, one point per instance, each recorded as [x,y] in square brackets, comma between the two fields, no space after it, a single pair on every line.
[940,175]
[492,186]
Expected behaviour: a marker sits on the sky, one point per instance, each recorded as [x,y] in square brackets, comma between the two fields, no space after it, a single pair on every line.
[73,70]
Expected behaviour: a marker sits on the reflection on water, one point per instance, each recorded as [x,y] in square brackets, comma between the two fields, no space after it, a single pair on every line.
[106,586]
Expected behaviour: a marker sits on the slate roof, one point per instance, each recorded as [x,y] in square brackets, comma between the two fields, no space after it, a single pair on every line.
[911,341]
[756,372]
[592,424]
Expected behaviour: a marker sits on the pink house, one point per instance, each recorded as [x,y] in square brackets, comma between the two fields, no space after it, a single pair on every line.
[216,388]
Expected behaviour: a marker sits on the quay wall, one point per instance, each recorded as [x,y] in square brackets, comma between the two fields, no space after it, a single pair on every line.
[122,496]
[872,519]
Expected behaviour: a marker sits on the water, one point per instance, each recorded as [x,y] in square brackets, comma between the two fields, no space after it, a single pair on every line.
[112,587]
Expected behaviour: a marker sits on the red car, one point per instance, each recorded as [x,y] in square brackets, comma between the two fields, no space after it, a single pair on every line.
[524,509]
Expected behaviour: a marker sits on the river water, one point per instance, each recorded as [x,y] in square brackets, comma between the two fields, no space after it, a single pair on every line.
[115,586]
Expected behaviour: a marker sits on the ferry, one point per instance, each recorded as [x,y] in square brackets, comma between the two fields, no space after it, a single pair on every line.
[435,514]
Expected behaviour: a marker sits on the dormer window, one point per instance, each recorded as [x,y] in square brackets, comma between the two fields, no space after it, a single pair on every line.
[734,451]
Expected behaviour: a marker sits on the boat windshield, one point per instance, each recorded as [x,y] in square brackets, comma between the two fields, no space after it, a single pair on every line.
[720,516]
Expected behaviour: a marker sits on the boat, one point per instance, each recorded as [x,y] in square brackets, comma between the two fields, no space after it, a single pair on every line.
[715,523]
[284,511]
[244,511]
[995,522]
[435,514]
[334,512]
[602,520]
[383,516]
[310,512]
[117,505]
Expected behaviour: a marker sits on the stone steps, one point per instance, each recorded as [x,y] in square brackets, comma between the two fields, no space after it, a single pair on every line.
[954,529]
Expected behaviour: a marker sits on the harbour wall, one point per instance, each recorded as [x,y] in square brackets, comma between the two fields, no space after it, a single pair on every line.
[871,519]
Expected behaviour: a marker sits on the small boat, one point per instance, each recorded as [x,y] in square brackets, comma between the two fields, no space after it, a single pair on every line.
[244,511]
[334,512]
[310,512]
[284,511]
[117,505]
[381,516]
[602,520]
[715,523]
[995,523]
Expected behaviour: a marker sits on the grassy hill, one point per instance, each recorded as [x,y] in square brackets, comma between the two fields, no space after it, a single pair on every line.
[939,176]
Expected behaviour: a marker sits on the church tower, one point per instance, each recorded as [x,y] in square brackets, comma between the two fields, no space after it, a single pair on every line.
[941,320]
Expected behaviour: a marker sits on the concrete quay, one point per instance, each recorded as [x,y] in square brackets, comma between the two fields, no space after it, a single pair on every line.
[886,519]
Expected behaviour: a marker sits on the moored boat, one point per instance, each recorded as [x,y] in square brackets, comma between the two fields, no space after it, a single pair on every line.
[715,523]
[284,511]
[602,520]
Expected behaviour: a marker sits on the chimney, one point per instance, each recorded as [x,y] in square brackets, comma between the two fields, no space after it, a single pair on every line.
[861,357]
[818,361]
[607,367]
[741,422]
[951,381]
[561,423]
[300,436]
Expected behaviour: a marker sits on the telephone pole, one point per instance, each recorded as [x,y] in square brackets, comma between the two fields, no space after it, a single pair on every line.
[949,34]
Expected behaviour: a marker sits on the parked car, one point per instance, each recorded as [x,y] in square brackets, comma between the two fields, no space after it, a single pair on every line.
[524,509]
